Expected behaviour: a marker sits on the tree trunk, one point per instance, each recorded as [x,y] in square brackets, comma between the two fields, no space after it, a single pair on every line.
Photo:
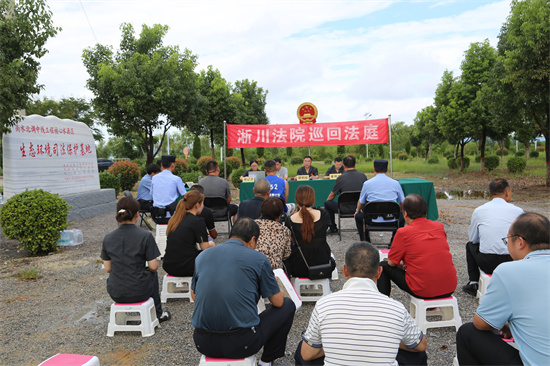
[462,144]
[430,149]
[501,154]
[242,157]
[212,143]
[482,148]
[526,146]
[547,152]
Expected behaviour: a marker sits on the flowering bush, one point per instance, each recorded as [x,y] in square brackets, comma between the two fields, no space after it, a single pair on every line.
[128,171]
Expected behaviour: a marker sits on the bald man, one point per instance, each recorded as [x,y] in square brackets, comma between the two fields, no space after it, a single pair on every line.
[251,208]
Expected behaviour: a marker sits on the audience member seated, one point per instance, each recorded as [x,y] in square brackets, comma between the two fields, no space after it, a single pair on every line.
[253,168]
[251,208]
[419,262]
[490,222]
[516,303]
[125,252]
[166,188]
[308,169]
[274,240]
[310,228]
[207,214]
[336,168]
[186,236]
[228,282]
[282,172]
[351,180]
[215,186]
[379,188]
[144,195]
[358,325]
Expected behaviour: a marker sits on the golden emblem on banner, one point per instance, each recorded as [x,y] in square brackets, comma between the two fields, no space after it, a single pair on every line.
[307,113]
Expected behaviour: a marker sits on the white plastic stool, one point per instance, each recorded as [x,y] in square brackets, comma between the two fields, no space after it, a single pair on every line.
[484,280]
[62,359]
[448,310]
[455,362]
[175,288]
[210,361]
[120,318]
[335,272]
[311,290]
[384,254]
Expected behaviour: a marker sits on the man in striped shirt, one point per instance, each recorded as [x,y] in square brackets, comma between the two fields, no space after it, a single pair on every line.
[359,325]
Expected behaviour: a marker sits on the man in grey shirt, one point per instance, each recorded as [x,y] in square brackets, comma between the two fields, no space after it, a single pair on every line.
[281,171]
[214,186]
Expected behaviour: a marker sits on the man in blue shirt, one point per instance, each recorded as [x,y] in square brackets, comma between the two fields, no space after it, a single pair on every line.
[516,303]
[229,281]
[144,195]
[166,188]
[379,188]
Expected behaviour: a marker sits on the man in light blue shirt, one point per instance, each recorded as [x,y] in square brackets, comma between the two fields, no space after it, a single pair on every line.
[516,303]
[166,188]
[379,188]
[144,195]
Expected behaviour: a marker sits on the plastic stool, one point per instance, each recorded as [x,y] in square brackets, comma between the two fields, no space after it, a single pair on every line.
[147,318]
[455,362]
[484,280]
[311,290]
[175,288]
[160,238]
[384,254]
[450,317]
[62,359]
[335,272]
[210,361]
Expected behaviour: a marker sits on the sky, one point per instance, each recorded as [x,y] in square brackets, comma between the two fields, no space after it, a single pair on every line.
[349,58]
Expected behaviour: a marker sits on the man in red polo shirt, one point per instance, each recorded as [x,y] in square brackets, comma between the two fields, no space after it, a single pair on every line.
[419,261]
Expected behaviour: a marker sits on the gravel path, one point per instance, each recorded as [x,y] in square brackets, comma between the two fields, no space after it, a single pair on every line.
[66,309]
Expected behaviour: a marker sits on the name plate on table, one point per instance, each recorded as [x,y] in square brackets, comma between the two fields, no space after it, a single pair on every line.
[302,177]
[248,179]
[334,176]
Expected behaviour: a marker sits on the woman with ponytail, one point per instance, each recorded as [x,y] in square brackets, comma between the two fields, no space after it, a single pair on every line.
[186,236]
[125,253]
[310,228]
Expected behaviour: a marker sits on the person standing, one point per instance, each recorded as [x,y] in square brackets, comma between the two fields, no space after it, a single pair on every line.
[516,303]
[490,222]
[229,281]
[351,180]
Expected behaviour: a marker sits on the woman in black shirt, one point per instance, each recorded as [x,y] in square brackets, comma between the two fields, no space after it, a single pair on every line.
[186,236]
[125,253]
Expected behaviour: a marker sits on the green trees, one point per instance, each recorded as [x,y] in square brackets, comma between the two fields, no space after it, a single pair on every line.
[77,109]
[25,26]
[144,86]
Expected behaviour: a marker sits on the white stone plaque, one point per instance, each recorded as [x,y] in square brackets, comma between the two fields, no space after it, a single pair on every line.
[56,155]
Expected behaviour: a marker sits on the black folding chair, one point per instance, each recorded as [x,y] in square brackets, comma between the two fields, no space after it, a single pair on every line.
[143,214]
[220,209]
[345,210]
[388,210]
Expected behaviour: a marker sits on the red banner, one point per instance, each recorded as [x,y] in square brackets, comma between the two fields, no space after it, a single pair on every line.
[319,134]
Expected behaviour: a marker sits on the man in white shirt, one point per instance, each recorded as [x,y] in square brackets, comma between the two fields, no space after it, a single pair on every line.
[358,325]
[490,223]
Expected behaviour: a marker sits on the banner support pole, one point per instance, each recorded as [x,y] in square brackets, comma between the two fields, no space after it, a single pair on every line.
[224,150]
[391,156]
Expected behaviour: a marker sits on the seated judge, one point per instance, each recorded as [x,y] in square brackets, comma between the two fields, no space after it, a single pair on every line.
[308,169]
[253,168]
[337,168]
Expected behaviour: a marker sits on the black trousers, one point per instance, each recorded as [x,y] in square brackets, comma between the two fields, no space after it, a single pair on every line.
[154,278]
[360,224]
[487,262]
[404,358]
[271,334]
[481,347]
[332,208]
[397,275]
[145,205]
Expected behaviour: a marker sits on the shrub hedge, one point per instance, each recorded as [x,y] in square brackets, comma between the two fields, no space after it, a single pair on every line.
[35,218]
[202,162]
[516,164]
[236,177]
[501,152]
[234,161]
[534,154]
[491,162]
[433,160]
[128,171]
[402,156]
[520,153]
[108,180]
[295,160]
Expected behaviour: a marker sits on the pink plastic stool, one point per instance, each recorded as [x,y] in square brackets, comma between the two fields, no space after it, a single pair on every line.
[62,359]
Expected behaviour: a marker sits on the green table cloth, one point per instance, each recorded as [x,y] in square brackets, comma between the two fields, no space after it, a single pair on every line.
[425,188]
[323,187]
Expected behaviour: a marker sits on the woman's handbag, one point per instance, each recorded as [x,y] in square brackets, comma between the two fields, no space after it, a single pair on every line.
[315,272]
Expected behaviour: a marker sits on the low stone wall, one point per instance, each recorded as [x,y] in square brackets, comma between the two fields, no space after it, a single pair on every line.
[89,204]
